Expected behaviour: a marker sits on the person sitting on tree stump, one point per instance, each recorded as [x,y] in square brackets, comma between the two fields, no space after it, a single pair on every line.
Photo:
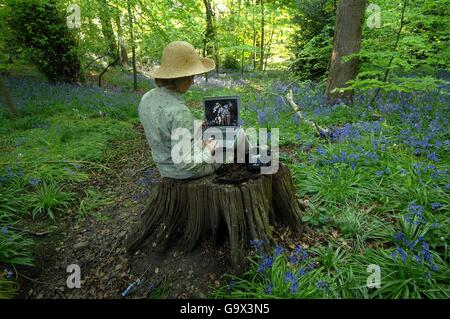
[184,209]
[163,110]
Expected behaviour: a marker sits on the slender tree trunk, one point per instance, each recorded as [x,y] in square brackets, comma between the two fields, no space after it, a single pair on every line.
[107,29]
[210,34]
[133,52]
[268,46]
[261,58]
[254,36]
[254,48]
[347,40]
[123,48]
[204,55]
[9,103]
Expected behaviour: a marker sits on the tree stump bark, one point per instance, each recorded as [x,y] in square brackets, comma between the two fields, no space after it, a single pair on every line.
[184,212]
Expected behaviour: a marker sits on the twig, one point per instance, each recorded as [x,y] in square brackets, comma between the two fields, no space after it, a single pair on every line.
[320,130]
[38,233]
[104,71]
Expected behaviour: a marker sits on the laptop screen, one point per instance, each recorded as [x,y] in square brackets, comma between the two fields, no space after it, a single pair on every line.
[222,111]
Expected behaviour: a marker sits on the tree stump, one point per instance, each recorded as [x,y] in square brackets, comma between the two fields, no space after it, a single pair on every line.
[185,212]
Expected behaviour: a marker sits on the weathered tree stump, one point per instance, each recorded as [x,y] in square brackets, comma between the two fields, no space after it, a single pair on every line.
[187,211]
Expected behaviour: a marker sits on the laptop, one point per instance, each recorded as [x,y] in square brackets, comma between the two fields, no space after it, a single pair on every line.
[222,113]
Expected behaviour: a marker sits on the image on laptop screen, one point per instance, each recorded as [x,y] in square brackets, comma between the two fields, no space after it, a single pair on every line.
[222,111]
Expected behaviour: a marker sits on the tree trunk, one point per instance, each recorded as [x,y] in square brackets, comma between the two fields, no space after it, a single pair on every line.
[123,48]
[107,29]
[133,52]
[185,212]
[269,47]
[254,35]
[346,41]
[261,62]
[9,103]
[210,34]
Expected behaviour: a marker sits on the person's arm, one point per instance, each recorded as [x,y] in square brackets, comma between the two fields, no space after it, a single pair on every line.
[198,161]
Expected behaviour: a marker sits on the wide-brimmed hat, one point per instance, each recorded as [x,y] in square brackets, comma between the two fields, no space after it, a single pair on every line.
[180,59]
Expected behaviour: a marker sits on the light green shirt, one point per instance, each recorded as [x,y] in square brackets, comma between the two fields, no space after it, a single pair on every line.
[161,111]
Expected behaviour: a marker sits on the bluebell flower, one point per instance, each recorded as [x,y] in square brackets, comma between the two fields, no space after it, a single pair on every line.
[436,205]
[231,286]
[269,289]
[266,263]
[4,230]
[322,284]
[294,287]
[433,157]
[289,277]
[414,214]
[34,181]
[256,244]
[402,253]
[279,250]
[9,274]
[321,151]
[302,271]
[68,170]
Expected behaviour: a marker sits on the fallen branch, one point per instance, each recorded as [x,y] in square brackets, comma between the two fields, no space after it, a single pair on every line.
[323,132]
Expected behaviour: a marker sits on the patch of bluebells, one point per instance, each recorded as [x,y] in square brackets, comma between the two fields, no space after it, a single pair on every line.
[297,258]
[269,289]
[322,284]
[266,263]
[34,181]
[298,255]
[291,279]
[149,178]
[417,250]
[257,244]
[4,231]
[37,96]
[429,170]
[414,214]
[10,174]
[348,132]
[267,115]
[352,159]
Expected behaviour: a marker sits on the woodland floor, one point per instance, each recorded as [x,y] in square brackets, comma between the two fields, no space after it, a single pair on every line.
[97,245]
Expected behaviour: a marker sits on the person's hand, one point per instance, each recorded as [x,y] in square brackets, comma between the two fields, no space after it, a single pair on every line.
[210,144]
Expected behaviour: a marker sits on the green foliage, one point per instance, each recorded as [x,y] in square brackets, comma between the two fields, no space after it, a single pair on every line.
[314,40]
[14,247]
[230,63]
[49,199]
[422,50]
[39,32]
[92,201]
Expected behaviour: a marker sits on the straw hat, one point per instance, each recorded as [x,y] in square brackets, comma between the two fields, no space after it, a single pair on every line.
[180,59]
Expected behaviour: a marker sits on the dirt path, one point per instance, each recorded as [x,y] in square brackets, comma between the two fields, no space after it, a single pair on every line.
[97,245]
